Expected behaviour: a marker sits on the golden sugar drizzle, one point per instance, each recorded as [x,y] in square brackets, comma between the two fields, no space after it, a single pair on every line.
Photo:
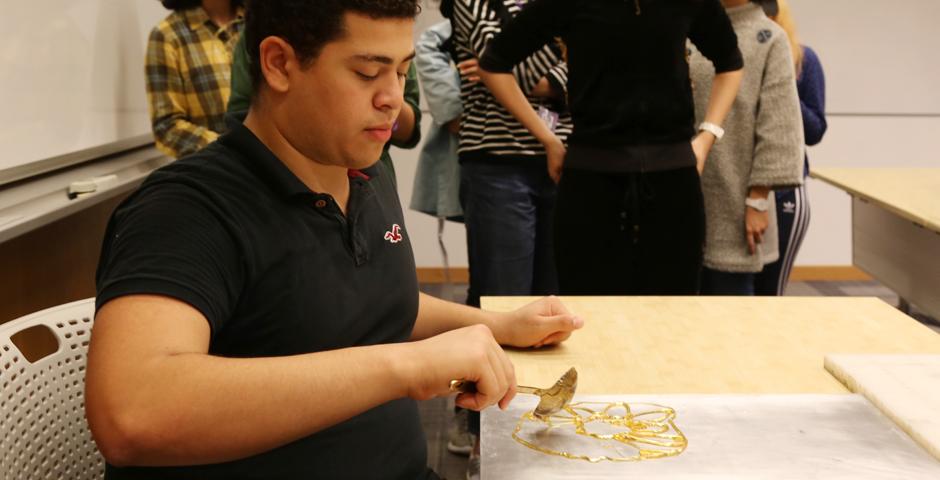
[651,433]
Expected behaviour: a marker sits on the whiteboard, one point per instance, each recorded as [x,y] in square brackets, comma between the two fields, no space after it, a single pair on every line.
[879,56]
[72,81]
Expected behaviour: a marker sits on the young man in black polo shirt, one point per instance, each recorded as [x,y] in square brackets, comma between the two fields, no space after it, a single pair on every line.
[258,311]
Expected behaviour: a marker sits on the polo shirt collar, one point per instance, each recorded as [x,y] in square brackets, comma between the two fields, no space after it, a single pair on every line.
[263,161]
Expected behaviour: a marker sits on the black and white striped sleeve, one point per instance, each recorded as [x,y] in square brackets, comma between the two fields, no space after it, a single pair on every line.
[532,31]
[477,24]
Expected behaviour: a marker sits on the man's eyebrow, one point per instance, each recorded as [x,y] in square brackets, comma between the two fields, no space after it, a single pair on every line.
[384,60]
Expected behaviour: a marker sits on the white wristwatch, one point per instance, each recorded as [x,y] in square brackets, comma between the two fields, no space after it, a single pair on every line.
[759,204]
[713,129]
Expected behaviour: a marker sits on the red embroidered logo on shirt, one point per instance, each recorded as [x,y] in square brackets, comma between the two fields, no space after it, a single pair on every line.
[395,235]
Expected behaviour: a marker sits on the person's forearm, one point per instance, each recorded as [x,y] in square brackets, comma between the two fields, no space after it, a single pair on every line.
[814,124]
[758,192]
[436,316]
[179,137]
[724,90]
[168,404]
[504,88]
[406,124]
[544,89]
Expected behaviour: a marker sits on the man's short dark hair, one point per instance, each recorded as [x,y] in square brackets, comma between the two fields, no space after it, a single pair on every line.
[187,4]
[308,25]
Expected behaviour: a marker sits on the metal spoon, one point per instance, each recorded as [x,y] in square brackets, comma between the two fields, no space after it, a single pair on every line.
[551,400]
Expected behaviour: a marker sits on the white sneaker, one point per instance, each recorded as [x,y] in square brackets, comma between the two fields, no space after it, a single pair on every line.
[473,467]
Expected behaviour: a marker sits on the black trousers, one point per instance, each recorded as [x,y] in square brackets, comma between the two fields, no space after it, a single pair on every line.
[637,233]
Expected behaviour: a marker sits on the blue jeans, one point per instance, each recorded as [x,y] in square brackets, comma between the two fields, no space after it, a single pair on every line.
[508,213]
[715,282]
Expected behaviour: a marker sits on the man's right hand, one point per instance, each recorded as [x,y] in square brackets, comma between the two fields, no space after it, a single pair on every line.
[469,354]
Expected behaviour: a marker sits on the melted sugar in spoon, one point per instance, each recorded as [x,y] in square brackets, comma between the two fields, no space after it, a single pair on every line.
[551,400]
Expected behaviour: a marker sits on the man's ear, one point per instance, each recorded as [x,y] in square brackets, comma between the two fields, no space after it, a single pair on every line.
[276,56]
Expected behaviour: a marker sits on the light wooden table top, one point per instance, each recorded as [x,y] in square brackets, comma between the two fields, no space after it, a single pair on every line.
[716,344]
[911,193]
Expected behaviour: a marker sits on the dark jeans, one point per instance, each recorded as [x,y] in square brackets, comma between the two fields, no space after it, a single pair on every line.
[792,223]
[508,212]
[716,282]
[638,233]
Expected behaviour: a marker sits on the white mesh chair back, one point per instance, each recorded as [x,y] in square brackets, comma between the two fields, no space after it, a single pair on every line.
[43,431]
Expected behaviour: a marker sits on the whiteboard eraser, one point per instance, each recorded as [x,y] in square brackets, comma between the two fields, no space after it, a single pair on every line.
[82,187]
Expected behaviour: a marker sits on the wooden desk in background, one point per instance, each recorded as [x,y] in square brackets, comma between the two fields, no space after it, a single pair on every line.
[895,228]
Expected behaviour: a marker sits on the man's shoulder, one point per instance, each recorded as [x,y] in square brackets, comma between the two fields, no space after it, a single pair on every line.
[215,174]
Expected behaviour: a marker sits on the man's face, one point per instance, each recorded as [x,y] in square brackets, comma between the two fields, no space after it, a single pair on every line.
[341,108]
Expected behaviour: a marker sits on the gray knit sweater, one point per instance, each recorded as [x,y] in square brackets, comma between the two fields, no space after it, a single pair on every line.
[763,144]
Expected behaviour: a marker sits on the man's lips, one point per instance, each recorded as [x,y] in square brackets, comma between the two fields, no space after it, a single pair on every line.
[382,133]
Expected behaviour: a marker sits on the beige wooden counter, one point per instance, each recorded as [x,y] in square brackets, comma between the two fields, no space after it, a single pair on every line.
[716,344]
[911,193]
[895,228]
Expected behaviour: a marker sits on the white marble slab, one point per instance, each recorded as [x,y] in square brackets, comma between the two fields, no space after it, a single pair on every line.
[734,437]
[905,387]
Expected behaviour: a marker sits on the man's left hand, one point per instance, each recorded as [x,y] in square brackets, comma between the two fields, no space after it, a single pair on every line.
[543,322]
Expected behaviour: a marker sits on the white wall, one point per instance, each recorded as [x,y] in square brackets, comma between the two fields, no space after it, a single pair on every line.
[883,89]
[72,75]
[883,101]
[879,55]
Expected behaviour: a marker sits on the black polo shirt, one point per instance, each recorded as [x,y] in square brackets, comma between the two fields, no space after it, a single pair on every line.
[277,270]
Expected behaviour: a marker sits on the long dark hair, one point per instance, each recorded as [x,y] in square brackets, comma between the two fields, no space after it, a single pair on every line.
[187,4]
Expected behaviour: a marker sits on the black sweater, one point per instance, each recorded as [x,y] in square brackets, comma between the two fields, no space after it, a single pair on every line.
[628,73]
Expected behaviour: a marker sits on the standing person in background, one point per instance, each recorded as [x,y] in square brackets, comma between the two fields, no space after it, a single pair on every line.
[630,217]
[437,178]
[189,62]
[762,151]
[406,132]
[507,195]
[793,204]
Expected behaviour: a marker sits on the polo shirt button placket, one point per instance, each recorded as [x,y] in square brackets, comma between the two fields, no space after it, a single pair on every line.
[320,203]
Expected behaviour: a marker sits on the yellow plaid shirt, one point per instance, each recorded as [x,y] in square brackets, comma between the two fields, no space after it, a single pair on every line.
[189,68]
